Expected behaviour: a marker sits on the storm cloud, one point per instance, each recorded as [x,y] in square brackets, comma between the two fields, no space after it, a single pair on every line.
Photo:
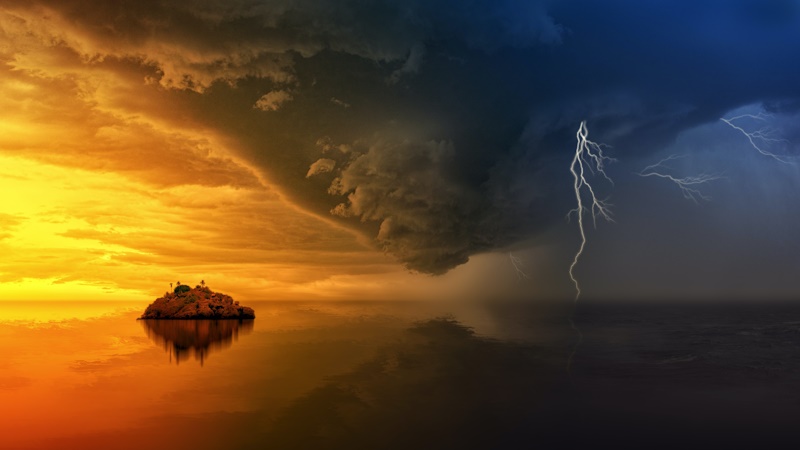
[440,129]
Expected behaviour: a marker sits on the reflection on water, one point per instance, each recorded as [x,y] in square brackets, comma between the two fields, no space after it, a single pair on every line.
[438,387]
[94,380]
[184,338]
[394,376]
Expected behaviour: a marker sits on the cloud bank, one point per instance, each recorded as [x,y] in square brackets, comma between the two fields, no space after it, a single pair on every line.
[439,129]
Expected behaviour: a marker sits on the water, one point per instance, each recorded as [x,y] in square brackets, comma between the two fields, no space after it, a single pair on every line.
[398,375]
[90,375]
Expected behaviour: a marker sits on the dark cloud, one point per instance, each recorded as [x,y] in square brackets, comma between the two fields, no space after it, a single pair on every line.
[428,220]
[461,115]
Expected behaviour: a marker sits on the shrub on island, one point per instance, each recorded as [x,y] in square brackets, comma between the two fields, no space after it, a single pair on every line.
[180,289]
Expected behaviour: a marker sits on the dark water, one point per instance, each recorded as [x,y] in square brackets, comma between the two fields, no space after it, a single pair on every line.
[403,376]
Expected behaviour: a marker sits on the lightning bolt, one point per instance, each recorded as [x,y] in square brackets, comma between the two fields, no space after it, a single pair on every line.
[517,264]
[589,158]
[762,136]
[687,185]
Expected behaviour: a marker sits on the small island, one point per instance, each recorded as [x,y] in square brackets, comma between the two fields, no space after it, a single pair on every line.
[199,302]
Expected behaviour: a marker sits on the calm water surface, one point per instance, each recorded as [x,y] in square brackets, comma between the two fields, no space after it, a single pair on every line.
[91,376]
[400,376]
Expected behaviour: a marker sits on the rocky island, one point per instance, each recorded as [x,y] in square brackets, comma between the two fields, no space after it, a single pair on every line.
[196,303]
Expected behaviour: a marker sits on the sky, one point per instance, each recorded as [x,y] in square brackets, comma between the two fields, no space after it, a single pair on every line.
[312,149]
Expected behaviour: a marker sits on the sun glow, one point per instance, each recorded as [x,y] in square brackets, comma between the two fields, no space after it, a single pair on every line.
[75,234]
[43,212]
[114,184]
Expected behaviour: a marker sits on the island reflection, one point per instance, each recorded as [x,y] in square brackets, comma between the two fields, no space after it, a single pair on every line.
[184,338]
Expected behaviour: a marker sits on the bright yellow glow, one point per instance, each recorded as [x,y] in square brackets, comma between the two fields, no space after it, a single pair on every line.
[109,190]
[57,312]
[72,234]
[11,128]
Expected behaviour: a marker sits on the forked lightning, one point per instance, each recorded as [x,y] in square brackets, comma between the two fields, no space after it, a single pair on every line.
[687,185]
[517,264]
[761,137]
[589,160]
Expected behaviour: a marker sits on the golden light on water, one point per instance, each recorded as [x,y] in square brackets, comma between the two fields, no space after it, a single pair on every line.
[88,375]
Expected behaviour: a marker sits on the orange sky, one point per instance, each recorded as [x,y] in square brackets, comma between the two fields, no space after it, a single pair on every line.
[102,198]
[111,189]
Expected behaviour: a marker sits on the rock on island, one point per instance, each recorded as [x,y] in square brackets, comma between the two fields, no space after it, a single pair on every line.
[196,303]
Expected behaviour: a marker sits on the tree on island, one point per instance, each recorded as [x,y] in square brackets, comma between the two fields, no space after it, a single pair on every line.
[181,288]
